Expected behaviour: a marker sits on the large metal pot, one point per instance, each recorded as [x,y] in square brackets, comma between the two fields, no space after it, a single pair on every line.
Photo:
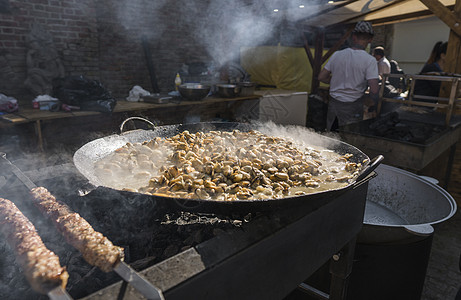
[87,155]
[402,206]
[393,247]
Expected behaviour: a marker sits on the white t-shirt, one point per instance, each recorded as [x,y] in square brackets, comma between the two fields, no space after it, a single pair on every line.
[350,70]
[384,66]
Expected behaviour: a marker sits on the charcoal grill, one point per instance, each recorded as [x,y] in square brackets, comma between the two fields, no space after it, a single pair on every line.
[408,154]
[267,259]
[264,259]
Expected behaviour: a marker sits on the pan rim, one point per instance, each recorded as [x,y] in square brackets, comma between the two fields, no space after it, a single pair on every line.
[117,140]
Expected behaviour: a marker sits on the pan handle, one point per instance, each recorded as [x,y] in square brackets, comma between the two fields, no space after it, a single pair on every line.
[375,162]
[135,118]
[420,229]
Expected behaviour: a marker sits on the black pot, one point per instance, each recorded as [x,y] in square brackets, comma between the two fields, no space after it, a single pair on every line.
[393,248]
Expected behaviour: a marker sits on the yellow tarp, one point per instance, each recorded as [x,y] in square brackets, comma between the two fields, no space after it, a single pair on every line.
[284,67]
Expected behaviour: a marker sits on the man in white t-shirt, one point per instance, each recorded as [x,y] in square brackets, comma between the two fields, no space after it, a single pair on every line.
[384,66]
[350,72]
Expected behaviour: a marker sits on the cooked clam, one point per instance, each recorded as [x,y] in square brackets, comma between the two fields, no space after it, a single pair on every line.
[226,166]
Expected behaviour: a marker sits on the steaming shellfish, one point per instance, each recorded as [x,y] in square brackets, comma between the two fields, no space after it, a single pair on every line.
[226,166]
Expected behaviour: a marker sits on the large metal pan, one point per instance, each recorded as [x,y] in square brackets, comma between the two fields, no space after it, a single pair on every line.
[88,154]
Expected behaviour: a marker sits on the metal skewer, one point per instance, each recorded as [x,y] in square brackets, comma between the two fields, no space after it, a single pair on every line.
[146,288]
[138,282]
[18,173]
[59,293]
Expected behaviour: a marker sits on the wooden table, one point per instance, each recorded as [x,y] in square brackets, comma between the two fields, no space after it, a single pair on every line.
[171,112]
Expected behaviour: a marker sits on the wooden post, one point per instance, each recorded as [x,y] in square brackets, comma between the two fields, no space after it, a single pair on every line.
[38,132]
[452,60]
[308,50]
[319,59]
[319,40]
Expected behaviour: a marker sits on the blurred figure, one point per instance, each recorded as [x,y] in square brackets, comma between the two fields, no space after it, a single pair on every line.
[399,83]
[433,66]
[384,67]
[349,72]
[393,88]
[43,62]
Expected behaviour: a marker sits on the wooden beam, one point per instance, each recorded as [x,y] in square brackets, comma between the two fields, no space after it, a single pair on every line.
[405,18]
[308,50]
[453,59]
[327,9]
[338,44]
[363,15]
[444,14]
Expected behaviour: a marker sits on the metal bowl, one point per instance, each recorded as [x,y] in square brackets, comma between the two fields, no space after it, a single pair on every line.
[247,88]
[228,90]
[194,91]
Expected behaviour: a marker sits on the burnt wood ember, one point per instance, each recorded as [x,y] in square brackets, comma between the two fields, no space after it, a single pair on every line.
[429,139]
[162,239]
[183,230]
[391,126]
[148,236]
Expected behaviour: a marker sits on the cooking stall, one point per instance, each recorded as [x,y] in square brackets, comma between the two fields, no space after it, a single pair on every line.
[395,243]
[411,133]
[191,248]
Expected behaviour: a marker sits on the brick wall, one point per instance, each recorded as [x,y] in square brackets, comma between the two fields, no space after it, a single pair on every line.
[72,24]
[168,35]
[102,40]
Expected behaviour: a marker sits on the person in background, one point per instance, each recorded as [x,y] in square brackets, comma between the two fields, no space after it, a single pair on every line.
[393,88]
[349,72]
[398,83]
[433,66]
[384,67]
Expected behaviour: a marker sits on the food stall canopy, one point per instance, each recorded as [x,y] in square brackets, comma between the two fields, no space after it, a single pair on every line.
[379,12]
[319,17]
[315,18]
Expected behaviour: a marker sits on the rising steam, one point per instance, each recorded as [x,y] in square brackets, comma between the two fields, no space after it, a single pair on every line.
[220,27]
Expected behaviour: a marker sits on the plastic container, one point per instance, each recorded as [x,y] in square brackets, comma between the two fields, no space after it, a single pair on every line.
[177,81]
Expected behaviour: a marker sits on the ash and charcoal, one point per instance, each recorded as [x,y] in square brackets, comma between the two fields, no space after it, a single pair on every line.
[162,239]
[179,231]
[393,127]
[148,236]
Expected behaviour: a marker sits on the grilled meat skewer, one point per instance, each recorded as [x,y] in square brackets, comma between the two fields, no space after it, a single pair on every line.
[41,266]
[96,249]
